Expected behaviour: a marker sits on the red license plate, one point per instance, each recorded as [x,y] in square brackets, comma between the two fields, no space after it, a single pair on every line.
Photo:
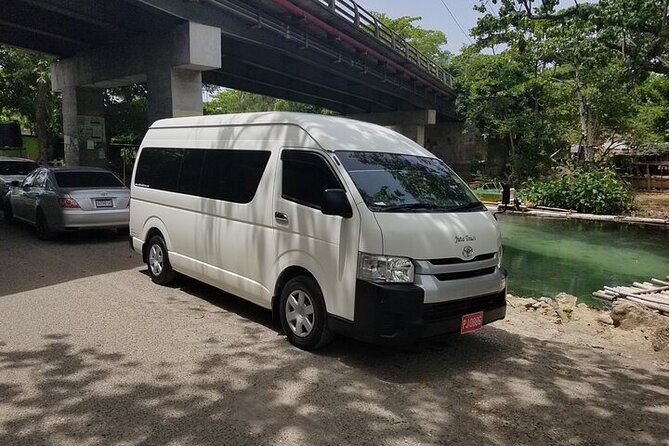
[471,322]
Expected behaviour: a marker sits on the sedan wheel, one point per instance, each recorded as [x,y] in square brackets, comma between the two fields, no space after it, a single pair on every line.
[42,226]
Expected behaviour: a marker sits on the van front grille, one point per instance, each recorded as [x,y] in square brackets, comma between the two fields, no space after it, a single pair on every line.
[465,274]
[456,308]
[457,260]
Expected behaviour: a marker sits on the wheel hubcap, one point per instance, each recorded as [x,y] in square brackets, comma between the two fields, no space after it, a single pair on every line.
[156,260]
[300,313]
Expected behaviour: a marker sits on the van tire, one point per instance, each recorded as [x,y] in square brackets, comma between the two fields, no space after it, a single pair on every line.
[302,298]
[158,262]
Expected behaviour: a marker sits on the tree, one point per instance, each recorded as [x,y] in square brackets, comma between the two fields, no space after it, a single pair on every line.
[429,42]
[236,101]
[25,94]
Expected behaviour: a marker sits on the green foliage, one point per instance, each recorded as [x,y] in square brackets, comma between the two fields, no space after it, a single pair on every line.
[599,191]
[235,101]
[429,42]
[25,93]
[126,113]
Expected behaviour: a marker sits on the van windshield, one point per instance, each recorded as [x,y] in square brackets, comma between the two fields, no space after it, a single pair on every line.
[393,182]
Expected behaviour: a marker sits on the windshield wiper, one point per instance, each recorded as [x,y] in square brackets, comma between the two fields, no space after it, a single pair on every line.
[465,207]
[411,207]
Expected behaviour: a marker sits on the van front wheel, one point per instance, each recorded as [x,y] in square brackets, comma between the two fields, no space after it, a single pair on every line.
[158,262]
[303,314]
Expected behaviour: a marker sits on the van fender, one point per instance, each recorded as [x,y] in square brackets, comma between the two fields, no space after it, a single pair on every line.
[302,260]
[157,223]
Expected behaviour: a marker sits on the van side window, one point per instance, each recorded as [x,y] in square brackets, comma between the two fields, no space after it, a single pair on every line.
[232,175]
[191,171]
[159,168]
[306,175]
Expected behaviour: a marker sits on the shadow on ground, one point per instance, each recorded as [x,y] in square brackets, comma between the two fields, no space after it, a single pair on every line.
[488,388]
[27,263]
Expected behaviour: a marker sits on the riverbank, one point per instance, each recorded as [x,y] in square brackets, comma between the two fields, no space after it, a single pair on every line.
[625,329]
[651,208]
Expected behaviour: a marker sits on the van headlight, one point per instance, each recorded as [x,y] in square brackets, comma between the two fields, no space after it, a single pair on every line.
[385,269]
[499,256]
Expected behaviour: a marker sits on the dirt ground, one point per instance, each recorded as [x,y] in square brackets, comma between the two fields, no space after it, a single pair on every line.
[93,353]
[652,204]
[592,328]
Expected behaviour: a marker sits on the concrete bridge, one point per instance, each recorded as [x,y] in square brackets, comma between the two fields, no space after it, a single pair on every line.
[329,53]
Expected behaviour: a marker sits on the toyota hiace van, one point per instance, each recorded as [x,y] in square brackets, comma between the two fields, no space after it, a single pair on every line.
[336,225]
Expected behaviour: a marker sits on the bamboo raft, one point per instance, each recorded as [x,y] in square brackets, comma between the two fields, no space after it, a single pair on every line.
[653,295]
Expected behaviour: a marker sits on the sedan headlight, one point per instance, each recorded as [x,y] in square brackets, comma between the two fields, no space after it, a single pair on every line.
[385,269]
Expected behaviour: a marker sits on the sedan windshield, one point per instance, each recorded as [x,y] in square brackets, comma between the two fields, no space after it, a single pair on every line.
[92,179]
[17,167]
[391,182]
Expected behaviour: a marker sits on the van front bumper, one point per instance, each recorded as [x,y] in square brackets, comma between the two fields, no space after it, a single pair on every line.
[398,314]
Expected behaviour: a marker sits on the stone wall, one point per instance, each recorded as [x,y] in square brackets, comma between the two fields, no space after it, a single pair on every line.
[465,151]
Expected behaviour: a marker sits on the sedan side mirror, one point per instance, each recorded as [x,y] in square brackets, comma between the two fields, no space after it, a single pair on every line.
[335,203]
[15,183]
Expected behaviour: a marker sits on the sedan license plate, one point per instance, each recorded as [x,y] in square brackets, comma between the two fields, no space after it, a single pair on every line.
[104,203]
[471,322]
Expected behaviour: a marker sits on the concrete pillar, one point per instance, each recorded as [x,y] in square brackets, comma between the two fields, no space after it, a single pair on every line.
[84,127]
[174,92]
[409,123]
[171,62]
[416,133]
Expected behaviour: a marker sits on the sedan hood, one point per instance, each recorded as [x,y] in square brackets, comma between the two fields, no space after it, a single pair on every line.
[425,236]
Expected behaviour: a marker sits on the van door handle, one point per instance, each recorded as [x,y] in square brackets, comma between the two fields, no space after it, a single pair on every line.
[280,216]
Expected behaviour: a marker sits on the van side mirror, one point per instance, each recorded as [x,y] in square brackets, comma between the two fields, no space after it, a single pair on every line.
[335,203]
[506,194]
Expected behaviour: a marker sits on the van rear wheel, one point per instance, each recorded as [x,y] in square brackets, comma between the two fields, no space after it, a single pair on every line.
[158,261]
[303,314]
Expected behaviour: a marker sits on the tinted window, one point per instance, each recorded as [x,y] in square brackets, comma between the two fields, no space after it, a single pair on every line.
[191,171]
[305,177]
[87,179]
[159,168]
[232,175]
[17,167]
[390,182]
[40,181]
[28,181]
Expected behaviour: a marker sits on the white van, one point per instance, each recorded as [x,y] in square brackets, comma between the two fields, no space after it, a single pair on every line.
[336,225]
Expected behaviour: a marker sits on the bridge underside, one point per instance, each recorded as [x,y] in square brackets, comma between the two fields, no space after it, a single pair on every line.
[255,45]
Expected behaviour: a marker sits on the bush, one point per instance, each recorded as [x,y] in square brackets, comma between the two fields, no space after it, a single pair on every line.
[589,191]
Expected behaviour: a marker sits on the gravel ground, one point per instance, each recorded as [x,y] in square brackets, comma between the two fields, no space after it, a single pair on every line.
[92,352]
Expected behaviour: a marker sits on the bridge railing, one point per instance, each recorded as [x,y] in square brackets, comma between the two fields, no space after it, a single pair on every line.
[362,19]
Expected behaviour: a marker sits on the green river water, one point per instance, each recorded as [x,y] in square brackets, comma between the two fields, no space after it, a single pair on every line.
[547,256]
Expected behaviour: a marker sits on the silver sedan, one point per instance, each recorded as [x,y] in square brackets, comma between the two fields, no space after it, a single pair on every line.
[61,199]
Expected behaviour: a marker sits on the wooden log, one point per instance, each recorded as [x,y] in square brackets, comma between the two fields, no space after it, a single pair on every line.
[602,295]
[649,287]
[652,305]
[654,298]
[660,282]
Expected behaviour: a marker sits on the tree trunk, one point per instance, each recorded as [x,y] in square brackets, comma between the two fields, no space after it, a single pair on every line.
[586,120]
[41,120]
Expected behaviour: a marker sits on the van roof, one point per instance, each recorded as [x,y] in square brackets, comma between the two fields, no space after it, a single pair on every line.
[330,132]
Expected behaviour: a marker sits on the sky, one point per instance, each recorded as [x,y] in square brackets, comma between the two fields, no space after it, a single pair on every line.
[435,16]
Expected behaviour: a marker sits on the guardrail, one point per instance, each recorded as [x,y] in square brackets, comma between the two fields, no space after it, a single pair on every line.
[363,20]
